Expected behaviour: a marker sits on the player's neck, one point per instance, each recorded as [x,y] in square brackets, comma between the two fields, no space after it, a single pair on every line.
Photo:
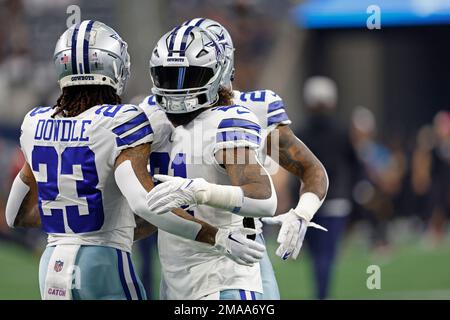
[182,119]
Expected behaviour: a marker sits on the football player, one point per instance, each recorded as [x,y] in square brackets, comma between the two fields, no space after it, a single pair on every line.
[86,166]
[213,139]
[282,145]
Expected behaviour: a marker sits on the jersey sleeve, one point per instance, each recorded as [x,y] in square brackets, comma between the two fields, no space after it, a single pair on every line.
[161,126]
[24,138]
[238,127]
[131,128]
[276,113]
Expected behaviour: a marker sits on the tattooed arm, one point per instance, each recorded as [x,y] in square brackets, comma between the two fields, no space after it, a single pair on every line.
[252,185]
[251,193]
[294,156]
[244,171]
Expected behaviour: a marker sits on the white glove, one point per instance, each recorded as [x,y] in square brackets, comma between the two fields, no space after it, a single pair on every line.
[176,192]
[292,233]
[234,244]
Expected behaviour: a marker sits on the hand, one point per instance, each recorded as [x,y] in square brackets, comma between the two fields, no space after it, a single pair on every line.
[234,244]
[292,233]
[175,192]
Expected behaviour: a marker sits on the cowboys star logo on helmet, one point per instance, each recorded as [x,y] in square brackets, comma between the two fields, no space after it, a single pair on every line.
[223,38]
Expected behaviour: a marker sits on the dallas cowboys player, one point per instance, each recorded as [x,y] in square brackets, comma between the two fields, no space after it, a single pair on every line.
[290,152]
[212,139]
[86,165]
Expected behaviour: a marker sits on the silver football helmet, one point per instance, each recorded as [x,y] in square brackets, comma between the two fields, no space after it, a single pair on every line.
[224,39]
[186,69]
[91,53]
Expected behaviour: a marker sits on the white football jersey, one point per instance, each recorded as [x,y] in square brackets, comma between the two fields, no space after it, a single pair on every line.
[268,107]
[73,162]
[191,270]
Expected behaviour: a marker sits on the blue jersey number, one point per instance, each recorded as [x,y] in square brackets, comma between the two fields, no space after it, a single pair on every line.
[161,161]
[53,221]
[256,96]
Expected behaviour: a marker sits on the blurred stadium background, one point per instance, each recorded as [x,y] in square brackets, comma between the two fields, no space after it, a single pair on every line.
[391,165]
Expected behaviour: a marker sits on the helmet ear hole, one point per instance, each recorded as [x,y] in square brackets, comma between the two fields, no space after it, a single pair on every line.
[201,53]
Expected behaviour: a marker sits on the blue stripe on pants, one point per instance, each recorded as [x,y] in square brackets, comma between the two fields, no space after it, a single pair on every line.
[122,276]
[133,277]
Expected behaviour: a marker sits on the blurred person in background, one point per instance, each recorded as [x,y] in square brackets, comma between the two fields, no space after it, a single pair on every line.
[380,184]
[330,142]
[440,177]
[420,174]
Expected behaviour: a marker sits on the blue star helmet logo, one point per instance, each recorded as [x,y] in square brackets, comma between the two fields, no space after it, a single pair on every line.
[213,44]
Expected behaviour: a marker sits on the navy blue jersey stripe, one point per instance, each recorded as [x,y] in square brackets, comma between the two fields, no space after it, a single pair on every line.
[122,275]
[73,52]
[151,100]
[133,123]
[277,118]
[135,136]
[133,277]
[242,294]
[252,293]
[87,35]
[241,123]
[275,106]
[237,135]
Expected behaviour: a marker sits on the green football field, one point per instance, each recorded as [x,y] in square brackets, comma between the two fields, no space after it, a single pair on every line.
[410,271]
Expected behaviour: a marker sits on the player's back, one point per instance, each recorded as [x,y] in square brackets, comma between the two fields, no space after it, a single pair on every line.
[72,159]
[270,110]
[266,105]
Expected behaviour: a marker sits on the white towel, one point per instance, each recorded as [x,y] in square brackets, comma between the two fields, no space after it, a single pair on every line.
[60,273]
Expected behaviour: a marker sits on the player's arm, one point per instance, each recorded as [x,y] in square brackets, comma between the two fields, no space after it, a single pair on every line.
[143,228]
[295,157]
[22,206]
[251,184]
[251,194]
[134,182]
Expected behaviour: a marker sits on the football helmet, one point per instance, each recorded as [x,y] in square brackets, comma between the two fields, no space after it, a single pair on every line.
[224,39]
[186,68]
[91,53]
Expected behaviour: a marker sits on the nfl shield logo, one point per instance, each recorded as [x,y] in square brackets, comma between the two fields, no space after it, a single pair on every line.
[58,265]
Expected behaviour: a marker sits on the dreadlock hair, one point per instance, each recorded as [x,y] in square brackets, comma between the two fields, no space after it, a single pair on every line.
[77,99]
[181,119]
